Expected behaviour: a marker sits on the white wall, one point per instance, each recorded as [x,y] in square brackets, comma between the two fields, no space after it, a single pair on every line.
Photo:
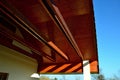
[19,66]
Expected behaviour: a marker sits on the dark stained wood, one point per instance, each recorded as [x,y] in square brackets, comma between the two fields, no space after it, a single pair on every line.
[79,18]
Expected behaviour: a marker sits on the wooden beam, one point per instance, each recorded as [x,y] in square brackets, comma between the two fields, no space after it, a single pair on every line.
[57,17]
[29,29]
[4,31]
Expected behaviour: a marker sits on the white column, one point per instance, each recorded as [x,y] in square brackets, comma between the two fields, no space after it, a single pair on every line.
[86,70]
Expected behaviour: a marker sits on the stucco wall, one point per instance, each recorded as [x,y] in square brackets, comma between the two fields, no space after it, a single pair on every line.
[19,66]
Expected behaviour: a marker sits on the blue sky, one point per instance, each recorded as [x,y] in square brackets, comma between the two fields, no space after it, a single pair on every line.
[107,19]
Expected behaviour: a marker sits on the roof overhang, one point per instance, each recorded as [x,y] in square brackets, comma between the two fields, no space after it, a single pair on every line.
[59,34]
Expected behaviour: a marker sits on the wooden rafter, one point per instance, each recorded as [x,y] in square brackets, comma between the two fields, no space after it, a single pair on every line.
[10,35]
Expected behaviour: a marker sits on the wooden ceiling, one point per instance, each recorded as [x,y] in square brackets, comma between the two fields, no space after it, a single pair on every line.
[59,34]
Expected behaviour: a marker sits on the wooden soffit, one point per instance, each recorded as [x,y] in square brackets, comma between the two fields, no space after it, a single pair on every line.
[59,34]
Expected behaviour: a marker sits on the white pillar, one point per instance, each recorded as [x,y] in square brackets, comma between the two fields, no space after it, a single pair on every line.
[86,70]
